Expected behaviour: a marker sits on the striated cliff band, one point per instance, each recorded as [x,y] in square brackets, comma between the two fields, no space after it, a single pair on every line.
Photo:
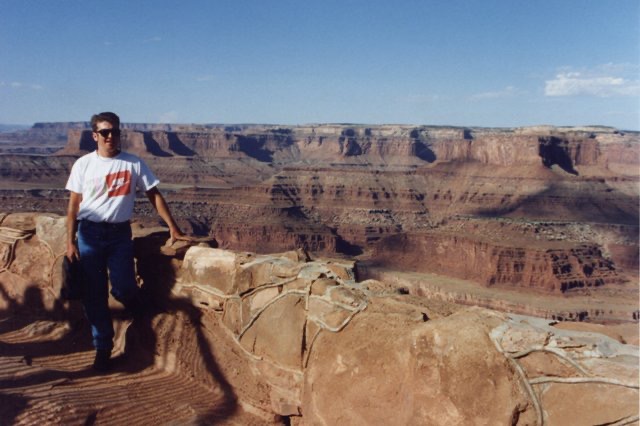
[545,212]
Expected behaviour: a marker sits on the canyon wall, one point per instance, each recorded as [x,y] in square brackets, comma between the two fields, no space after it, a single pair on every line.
[379,145]
[545,208]
[557,269]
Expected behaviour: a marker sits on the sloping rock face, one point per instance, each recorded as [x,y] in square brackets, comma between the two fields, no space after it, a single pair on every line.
[554,269]
[243,338]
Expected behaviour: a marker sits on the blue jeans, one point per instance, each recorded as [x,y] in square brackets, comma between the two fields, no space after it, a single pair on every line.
[105,247]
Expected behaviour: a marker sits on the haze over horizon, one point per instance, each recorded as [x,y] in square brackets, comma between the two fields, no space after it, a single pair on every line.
[462,63]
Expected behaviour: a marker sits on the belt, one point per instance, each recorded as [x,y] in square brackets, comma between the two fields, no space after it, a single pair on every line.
[107,225]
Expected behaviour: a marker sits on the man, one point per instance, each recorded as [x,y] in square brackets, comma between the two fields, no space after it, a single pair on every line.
[102,188]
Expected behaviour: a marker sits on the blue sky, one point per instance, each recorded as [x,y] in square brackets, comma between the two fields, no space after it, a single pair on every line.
[488,63]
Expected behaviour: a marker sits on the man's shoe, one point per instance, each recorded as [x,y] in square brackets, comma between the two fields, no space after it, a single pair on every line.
[102,361]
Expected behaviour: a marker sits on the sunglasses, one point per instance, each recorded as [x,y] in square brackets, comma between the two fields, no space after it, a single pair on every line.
[106,132]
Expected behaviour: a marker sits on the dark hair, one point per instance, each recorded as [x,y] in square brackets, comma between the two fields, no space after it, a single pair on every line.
[109,117]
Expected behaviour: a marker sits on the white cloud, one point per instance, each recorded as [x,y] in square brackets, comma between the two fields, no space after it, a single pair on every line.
[507,92]
[605,81]
[153,39]
[20,85]
[624,68]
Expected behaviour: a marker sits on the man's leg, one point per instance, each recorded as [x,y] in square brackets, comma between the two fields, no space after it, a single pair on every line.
[93,259]
[124,286]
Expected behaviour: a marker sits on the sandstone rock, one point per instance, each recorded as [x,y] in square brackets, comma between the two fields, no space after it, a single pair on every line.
[282,344]
[593,364]
[307,344]
[327,350]
[33,261]
[19,221]
[322,285]
[52,231]
[212,267]
[262,298]
[236,315]
[422,374]
[590,404]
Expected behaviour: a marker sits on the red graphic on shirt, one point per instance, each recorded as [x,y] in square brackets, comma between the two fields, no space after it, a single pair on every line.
[119,183]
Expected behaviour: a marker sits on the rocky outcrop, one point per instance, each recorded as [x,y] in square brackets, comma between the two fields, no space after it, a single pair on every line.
[324,357]
[283,338]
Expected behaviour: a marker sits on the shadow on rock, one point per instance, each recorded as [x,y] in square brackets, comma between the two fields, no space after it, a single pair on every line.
[64,321]
[143,346]
[10,407]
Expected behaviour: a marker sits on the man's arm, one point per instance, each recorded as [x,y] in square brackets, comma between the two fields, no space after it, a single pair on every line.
[72,225]
[158,202]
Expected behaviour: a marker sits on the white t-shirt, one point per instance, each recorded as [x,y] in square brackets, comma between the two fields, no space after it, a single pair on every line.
[108,185]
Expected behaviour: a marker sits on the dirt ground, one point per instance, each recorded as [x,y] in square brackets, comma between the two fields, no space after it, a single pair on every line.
[46,378]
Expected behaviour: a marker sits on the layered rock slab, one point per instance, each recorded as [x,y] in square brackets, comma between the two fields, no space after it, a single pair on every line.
[380,361]
[285,336]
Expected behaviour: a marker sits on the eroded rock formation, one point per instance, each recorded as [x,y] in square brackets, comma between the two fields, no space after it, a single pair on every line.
[243,338]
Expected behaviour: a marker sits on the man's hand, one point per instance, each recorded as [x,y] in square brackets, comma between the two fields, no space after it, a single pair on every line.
[72,252]
[175,234]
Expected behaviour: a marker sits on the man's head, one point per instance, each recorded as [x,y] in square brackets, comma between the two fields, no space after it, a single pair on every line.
[108,117]
[106,133]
